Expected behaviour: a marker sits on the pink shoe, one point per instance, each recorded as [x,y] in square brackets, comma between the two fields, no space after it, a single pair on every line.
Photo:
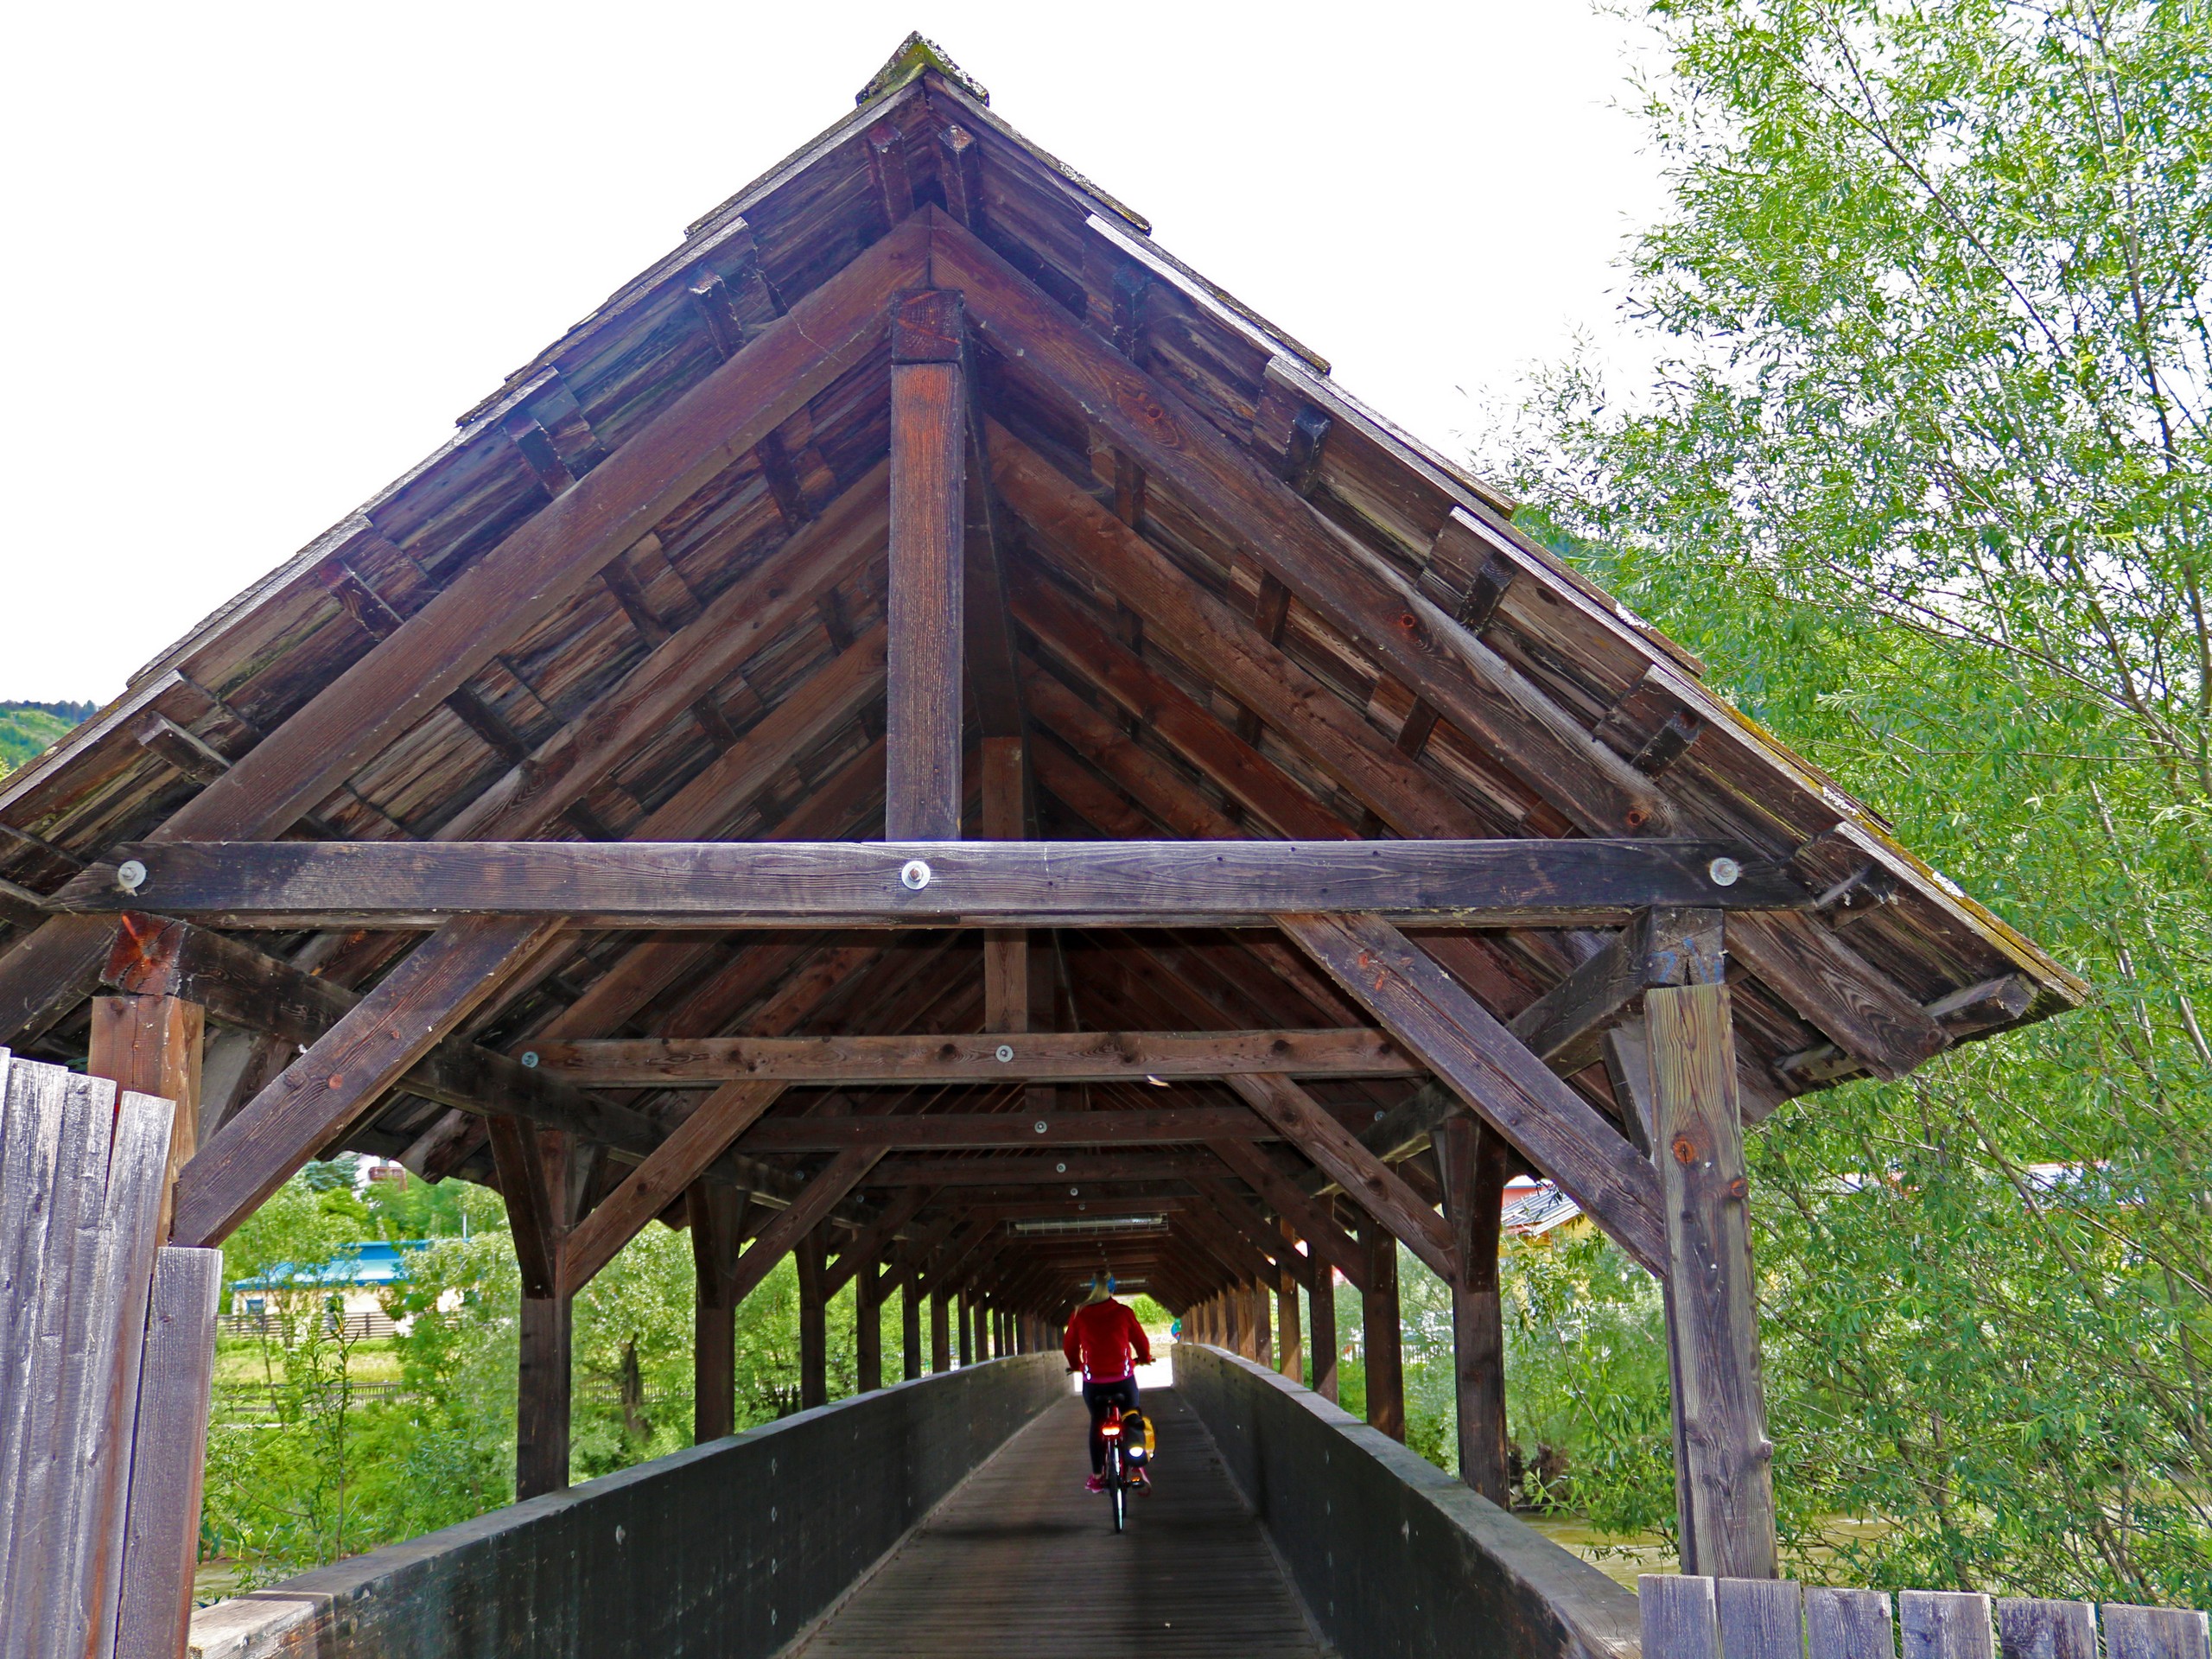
[1094,1484]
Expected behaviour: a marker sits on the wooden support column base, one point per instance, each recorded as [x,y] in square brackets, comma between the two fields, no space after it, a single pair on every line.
[542,1397]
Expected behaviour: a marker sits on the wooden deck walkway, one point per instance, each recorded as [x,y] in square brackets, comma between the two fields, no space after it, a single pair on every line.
[1022,1560]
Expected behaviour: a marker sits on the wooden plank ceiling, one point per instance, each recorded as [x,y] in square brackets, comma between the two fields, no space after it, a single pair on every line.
[1210,596]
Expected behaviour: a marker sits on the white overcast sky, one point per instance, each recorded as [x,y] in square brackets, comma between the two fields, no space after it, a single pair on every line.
[262,255]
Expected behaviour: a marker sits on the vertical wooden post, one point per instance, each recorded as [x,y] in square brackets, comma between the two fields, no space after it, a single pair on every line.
[940,1331]
[1290,1348]
[928,455]
[542,1397]
[537,1180]
[967,1334]
[151,1045]
[1006,950]
[1725,1481]
[868,1328]
[1263,1349]
[1379,1337]
[1471,1156]
[813,1325]
[910,1329]
[717,1216]
[1322,1312]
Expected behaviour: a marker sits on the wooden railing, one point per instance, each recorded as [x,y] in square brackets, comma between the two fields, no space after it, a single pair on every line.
[1690,1618]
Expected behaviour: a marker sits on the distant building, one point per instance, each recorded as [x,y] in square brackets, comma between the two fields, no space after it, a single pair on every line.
[357,1277]
[1535,1209]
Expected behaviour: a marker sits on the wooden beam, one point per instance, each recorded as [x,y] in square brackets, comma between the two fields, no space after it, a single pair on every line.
[751,613]
[1471,1157]
[154,956]
[1254,782]
[1729,1479]
[652,1185]
[717,1218]
[1381,1335]
[1229,649]
[533,1221]
[820,1196]
[1558,1131]
[988,1057]
[1367,1180]
[1854,1004]
[868,1246]
[1380,611]
[538,566]
[1565,1026]
[1332,1246]
[1224,1204]
[727,884]
[1005,1130]
[928,449]
[1066,1169]
[151,1045]
[345,1072]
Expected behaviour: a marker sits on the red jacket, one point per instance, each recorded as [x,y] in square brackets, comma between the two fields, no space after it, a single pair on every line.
[1099,1339]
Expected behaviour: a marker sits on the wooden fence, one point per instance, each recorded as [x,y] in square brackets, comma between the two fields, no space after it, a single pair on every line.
[1691,1618]
[106,1347]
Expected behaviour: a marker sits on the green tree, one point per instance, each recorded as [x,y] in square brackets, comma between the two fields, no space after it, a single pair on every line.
[1921,479]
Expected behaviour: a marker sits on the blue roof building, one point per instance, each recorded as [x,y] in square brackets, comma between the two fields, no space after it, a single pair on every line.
[366,1266]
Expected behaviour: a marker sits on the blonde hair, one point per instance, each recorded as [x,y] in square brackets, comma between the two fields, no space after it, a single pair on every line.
[1100,1290]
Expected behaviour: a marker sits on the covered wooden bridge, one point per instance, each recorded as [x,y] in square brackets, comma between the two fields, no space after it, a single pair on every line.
[924,737]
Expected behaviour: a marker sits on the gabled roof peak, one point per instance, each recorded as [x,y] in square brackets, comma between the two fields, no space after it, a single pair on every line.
[915,53]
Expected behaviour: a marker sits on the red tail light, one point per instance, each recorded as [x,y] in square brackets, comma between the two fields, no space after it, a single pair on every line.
[1110,1427]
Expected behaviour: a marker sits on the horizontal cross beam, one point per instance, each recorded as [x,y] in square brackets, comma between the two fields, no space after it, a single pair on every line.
[990,1056]
[945,884]
[997,1131]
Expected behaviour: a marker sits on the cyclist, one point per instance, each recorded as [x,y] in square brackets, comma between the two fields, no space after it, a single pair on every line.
[1101,1336]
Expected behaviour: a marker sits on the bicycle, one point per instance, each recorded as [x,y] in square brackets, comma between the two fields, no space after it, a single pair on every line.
[1128,1449]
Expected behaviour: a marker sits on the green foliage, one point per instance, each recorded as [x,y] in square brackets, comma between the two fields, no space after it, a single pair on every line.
[1924,484]
[26,728]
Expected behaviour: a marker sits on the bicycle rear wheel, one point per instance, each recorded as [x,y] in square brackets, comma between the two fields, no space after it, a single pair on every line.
[1119,1477]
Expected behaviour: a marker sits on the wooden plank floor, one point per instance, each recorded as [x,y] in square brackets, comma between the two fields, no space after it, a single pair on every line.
[1022,1560]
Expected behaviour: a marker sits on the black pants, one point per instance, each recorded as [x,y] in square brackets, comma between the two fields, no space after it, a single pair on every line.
[1098,1396]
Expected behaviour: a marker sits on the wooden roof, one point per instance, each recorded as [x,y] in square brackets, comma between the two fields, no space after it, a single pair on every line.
[1430,672]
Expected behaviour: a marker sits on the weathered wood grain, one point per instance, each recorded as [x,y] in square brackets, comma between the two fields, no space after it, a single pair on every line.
[1943,1625]
[1492,883]
[929,441]
[1761,1618]
[1859,1007]
[90,1523]
[1000,1131]
[167,1455]
[2151,1632]
[1311,1218]
[989,1057]
[1681,1616]
[1849,1625]
[1426,1009]
[1698,1148]
[1471,1157]
[2045,1630]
